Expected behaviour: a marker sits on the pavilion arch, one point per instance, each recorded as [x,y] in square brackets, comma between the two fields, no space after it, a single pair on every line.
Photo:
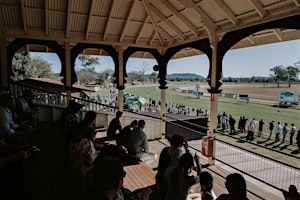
[233,37]
[81,46]
[131,50]
[14,46]
[201,45]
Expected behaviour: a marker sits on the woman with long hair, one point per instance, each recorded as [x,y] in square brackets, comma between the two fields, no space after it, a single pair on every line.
[179,180]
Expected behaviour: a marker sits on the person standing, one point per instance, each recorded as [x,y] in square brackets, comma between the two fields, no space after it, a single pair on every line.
[260,127]
[277,131]
[232,124]
[271,127]
[292,132]
[285,129]
[298,140]
[250,130]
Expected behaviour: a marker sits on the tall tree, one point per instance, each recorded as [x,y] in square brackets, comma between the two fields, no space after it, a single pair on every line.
[25,67]
[280,73]
[292,74]
[297,65]
[87,74]
[88,62]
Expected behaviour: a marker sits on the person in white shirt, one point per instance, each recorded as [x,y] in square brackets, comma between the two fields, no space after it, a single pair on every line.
[277,131]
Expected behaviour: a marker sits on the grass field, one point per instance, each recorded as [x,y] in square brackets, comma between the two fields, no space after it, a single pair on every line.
[239,108]
[231,106]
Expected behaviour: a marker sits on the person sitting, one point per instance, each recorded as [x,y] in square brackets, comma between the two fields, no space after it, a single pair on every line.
[108,180]
[73,117]
[12,132]
[11,168]
[123,137]
[82,151]
[26,110]
[138,144]
[236,186]
[206,183]
[115,126]
[178,180]
[292,194]
[66,112]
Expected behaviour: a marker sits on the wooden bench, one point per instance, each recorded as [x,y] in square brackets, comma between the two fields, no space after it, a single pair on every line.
[138,176]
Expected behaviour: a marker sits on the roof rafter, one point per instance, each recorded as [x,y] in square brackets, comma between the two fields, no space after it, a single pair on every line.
[227,11]
[258,7]
[153,21]
[165,34]
[24,17]
[207,22]
[251,39]
[152,37]
[278,33]
[141,29]
[297,3]
[108,19]
[179,16]
[166,21]
[92,6]
[128,20]
[46,18]
[68,21]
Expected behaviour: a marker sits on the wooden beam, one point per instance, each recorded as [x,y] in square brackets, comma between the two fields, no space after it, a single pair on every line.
[108,18]
[168,23]
[251,39]
[165,34]
[46,18]
[2,27]
[179,16]
[152,37]
[258,7]
[207,22]
[24,17]
[227,11]
[141,29]
[278,34]
[129,15]
[68,21]
[153,22]
[91,11]
[297,3]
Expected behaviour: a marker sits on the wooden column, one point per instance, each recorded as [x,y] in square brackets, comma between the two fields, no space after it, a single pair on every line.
[163,112]
[68,70]
[3,58]
[213,120]
[121,75]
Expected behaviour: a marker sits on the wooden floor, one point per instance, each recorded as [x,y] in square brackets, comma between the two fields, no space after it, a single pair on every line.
[46,177]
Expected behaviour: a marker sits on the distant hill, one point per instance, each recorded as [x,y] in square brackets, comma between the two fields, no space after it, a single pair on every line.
[185,76]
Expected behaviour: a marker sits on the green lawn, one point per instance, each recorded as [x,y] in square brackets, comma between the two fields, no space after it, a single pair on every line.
[230,106]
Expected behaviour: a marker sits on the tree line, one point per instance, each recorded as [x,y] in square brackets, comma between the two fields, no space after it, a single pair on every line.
[25,66]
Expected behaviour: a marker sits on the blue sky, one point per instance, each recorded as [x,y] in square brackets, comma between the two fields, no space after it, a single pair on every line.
[245,62]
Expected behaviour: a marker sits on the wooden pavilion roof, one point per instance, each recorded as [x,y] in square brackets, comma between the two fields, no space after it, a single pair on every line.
[156,24]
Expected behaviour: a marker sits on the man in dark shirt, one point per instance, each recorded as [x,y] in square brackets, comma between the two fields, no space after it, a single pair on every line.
[114,126]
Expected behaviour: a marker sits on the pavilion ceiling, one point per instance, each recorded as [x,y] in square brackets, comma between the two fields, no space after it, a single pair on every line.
[142,23]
